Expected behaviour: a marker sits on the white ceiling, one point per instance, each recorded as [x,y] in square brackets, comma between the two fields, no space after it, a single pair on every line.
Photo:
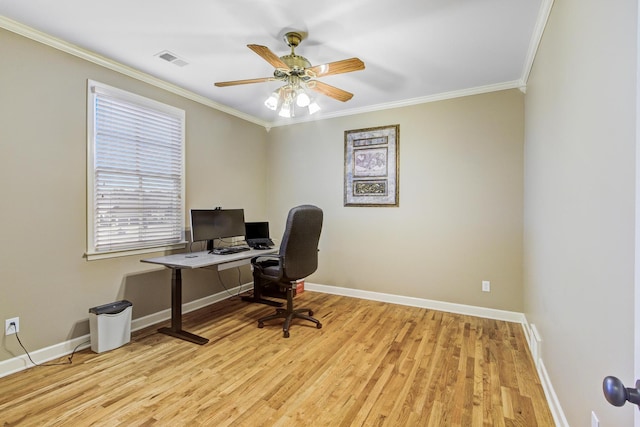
[414,50]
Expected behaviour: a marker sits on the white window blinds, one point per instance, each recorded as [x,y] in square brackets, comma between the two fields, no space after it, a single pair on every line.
[136,172]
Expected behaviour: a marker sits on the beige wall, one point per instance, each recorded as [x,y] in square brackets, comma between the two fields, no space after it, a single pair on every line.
[459,220]
[579,203]
[460,216]
[45,279]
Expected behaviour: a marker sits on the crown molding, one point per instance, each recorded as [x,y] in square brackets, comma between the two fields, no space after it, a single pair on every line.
[56,43]
[538,31]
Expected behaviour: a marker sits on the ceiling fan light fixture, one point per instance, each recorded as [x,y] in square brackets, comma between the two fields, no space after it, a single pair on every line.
[286,111]
[272,101]
[313,107]
[302,100]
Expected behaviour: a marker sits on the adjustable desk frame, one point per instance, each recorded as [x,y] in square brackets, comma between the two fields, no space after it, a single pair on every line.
[194,260]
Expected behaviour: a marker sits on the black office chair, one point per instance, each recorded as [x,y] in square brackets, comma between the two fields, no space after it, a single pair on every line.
[297,259]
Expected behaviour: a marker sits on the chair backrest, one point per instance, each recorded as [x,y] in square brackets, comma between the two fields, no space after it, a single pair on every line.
[299,247]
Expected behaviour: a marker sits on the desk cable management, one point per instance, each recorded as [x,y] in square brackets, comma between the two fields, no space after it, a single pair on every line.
[222,281]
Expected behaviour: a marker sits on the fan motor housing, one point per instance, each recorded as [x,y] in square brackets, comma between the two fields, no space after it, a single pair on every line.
[296,63]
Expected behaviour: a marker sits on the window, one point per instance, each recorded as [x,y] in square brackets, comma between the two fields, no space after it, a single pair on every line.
[135,182]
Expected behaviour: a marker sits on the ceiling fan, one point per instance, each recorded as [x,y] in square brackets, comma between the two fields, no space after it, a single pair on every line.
[297,73]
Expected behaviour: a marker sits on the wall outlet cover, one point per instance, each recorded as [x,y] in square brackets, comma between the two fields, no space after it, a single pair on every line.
[9,329]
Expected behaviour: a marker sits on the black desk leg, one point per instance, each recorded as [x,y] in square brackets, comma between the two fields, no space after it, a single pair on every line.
[176,312]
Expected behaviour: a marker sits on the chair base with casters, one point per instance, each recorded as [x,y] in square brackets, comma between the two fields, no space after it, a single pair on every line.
[289,313]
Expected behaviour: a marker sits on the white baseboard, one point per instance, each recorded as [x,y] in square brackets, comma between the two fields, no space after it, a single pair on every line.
[43,355]
[470,310]
[552,397]
[535,346]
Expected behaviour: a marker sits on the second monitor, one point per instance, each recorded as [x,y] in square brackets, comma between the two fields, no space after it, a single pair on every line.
[257,234]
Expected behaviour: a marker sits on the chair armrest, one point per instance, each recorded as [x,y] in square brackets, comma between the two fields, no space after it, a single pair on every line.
[265,257]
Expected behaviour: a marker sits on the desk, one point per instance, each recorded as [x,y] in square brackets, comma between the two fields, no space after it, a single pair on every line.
[193,260]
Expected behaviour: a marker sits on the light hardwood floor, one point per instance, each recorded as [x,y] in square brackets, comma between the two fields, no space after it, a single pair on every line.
[372,364]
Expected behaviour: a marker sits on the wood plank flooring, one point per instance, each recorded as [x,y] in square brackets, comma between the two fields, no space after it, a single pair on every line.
[372,364]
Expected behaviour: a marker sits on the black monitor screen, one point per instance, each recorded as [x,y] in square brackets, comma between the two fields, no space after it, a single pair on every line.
[210,224]
[256,230]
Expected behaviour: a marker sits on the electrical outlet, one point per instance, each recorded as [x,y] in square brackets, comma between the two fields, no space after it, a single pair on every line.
[10,329]
[486,286]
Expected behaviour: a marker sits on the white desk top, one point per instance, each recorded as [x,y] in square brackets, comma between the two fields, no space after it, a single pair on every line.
[204,259]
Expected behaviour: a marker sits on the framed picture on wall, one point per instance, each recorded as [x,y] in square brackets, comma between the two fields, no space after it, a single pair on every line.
[371,166]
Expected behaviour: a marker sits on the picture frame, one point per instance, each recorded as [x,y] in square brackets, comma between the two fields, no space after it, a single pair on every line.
[371,166]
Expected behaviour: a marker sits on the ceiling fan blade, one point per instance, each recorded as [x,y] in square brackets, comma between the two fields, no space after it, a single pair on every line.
[338,67]
[268,56]
[331,91]
[244,82]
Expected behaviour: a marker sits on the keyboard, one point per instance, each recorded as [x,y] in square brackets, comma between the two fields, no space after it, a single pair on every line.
[260,242]
[230,250]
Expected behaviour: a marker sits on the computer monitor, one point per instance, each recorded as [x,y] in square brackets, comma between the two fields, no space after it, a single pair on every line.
[256,230]
[257,235]
[210,224]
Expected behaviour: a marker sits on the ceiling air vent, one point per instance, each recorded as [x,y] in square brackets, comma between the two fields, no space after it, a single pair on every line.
[170,57]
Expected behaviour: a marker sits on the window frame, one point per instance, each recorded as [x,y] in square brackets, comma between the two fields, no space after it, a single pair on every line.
[93,87]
